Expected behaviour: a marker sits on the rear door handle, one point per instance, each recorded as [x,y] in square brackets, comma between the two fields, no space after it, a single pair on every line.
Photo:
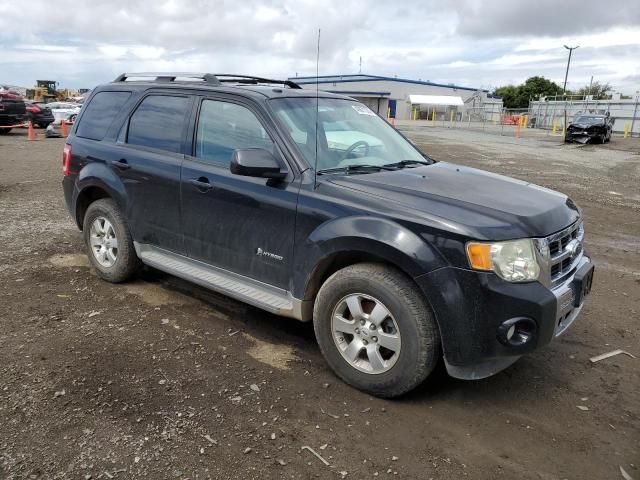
[121,164]
[201,183]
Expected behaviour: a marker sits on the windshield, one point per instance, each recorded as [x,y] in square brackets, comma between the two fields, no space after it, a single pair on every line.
[349,133]
[589,119]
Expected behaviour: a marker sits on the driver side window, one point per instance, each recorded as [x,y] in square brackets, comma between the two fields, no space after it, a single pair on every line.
[224,127]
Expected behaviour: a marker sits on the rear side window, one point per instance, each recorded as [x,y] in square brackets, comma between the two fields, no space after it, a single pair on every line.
[100,113]
[158,123]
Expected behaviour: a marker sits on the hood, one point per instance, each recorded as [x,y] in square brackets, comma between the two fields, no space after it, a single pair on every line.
[471,202]
[584,126]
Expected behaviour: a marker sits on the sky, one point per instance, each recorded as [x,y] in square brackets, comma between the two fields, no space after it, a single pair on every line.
[480,44]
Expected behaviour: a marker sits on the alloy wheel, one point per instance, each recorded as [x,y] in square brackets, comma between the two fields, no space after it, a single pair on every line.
[365,333]
[104,243]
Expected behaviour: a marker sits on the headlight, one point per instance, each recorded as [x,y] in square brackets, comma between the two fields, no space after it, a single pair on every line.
[514,260]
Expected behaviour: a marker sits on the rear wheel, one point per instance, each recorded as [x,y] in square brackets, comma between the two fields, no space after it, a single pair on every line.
[109,242]
[375,329]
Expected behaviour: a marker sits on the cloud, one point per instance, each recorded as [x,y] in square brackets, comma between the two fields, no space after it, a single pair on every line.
[543,17]
[467,42]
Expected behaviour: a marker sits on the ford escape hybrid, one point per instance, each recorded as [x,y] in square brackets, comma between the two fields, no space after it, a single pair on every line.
[315,208]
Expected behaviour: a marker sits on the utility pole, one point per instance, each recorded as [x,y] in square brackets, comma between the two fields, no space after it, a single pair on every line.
[571,49]
[360,70]
[564,88]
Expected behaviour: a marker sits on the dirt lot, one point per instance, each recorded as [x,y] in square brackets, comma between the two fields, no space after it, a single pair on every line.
[159,379]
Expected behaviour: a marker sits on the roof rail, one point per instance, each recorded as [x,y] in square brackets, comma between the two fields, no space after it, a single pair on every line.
[228,77]
[169,77]
[210,78]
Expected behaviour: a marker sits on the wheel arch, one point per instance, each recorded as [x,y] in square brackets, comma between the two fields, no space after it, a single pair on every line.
[86,197]
[347,241]
[96,181]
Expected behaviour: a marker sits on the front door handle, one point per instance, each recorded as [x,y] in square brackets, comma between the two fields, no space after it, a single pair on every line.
[121,164]
[201,183]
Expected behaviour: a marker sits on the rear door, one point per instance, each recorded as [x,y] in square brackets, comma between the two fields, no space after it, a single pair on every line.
[147,158]
[241,224]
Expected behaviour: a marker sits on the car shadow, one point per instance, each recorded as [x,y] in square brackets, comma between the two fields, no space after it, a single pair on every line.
[527,375]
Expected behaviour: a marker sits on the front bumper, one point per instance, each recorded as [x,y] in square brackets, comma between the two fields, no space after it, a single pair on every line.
[583,136]
[470,306]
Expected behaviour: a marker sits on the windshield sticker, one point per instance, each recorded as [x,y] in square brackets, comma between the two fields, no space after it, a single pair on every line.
[362,110]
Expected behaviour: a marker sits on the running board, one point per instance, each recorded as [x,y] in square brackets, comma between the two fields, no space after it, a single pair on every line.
[258,294]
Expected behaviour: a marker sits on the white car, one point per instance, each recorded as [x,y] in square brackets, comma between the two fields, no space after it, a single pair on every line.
[64,111]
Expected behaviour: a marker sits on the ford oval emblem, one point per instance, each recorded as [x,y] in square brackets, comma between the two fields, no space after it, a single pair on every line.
[574,248]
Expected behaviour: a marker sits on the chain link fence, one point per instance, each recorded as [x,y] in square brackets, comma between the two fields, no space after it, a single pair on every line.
[543,117]
[555,113]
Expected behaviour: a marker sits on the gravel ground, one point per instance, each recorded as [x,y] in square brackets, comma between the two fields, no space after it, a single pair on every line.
[160,379]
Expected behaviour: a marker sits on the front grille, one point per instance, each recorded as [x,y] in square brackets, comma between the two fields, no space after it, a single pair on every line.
[565,250]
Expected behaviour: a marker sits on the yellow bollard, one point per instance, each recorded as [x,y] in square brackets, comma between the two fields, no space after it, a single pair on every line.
[626,130]
[389,112]
[555,127]
[415,113]
[564,131]
[451,117]
[433,114]
[526,121]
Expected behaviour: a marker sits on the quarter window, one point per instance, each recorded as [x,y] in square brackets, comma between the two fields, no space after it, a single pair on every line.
[158,123]
[224,127]
[99,114]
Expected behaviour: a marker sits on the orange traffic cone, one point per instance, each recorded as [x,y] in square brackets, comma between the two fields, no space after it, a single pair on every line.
[31,133]
[64,130]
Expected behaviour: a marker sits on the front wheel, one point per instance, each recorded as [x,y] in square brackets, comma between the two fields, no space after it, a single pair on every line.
[375,329]
[109,242]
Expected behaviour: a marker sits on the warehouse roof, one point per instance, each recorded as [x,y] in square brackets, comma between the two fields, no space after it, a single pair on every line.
[372,78]
[435,100]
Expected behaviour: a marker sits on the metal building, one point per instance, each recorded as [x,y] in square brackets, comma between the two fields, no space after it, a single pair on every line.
[396,97]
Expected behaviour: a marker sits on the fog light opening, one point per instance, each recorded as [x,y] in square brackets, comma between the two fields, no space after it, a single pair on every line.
[517,332]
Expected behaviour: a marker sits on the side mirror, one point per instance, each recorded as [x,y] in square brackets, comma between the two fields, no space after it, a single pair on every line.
[256,162]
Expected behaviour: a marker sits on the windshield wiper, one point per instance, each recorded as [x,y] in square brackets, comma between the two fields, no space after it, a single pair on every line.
[354,168]
[406,163]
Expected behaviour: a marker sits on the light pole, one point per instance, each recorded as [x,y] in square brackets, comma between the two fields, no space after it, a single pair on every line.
[564,87]
[571,49]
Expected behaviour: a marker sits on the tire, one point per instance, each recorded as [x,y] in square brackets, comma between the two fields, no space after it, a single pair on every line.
[102,223]
[407,362]
[5,131]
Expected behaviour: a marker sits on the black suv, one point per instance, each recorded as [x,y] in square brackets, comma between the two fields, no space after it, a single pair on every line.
[310,205]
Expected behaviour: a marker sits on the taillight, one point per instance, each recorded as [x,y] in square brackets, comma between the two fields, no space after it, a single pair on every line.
[66,159]
[33,109]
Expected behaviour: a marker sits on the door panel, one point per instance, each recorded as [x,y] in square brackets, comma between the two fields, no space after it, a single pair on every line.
[242,224]
[152,183]
[149,166]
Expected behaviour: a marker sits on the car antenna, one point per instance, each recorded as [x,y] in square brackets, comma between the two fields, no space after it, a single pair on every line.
[315,166]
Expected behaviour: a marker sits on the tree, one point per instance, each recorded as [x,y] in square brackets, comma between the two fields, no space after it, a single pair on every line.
[518,96]
[600,91]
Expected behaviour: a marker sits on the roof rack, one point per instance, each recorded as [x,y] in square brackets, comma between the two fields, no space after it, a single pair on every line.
[248,79]
[209,78]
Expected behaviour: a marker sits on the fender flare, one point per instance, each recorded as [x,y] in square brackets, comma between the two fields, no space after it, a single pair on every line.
[100,176]
[366,235]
